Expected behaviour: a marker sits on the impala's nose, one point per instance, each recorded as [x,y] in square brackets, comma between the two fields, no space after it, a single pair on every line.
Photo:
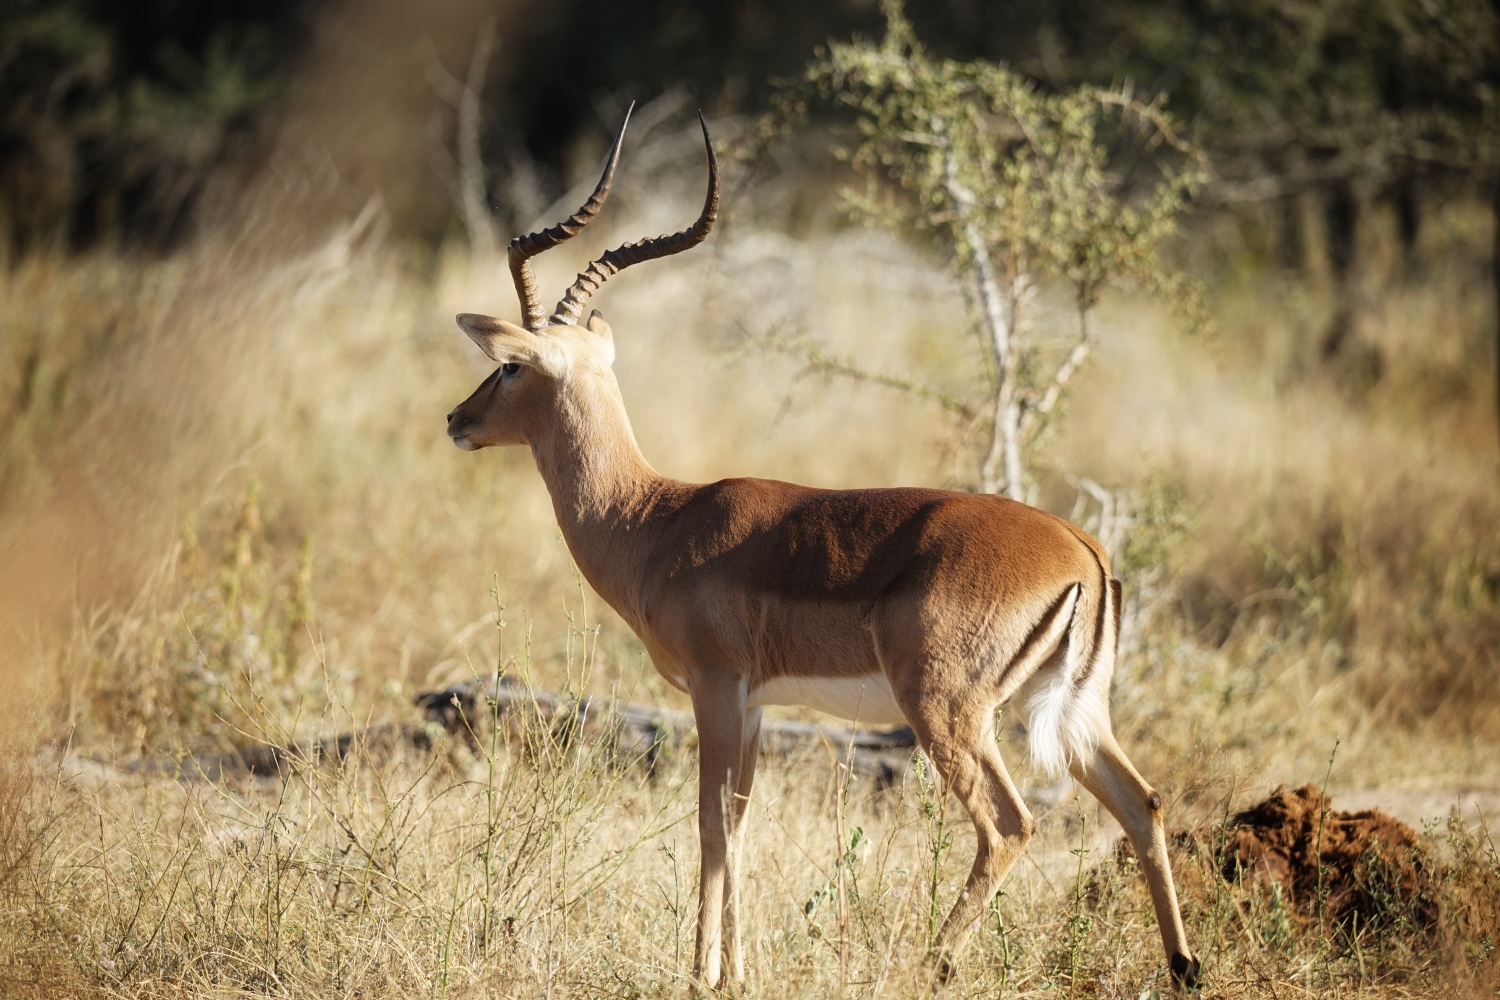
[459,432]
[449,417]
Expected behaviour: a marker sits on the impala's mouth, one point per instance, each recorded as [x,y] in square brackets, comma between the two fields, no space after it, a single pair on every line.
[463,443]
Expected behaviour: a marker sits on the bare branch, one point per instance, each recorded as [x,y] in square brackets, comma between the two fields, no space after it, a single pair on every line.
[464,97]
[477,219]
[1065,372]
[818,361]
[1115,518]
[1151,114]
[443,83]
[1002,438]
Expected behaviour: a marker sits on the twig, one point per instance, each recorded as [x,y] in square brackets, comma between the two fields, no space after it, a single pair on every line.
[1322,815]
[465,99]
[1065,372]
[817,360]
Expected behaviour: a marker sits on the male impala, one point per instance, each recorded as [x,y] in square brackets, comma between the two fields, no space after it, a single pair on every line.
[912,606]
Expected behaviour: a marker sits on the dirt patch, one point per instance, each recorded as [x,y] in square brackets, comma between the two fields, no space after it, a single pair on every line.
[1341,866]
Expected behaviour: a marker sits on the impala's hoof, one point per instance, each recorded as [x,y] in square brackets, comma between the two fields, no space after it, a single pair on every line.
[943,965]
[1185,973]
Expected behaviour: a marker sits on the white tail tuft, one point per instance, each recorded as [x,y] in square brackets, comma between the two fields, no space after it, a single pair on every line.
[1065,723]
[1066,718]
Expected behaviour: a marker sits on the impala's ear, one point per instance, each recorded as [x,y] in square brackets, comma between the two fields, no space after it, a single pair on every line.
[596,325]
[500,340]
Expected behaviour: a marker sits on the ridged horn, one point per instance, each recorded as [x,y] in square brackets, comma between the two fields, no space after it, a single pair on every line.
[614,261]
[523,248]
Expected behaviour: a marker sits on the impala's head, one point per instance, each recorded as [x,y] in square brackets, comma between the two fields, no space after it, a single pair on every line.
[541,359]
[536,369]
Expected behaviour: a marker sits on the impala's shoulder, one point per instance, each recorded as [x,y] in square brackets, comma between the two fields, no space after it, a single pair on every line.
[750,491]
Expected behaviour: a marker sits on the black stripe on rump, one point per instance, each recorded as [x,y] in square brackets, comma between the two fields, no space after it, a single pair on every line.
[1105,593]
[1030,649]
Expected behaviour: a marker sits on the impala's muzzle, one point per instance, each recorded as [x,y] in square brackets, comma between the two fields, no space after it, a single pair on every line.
[458,429]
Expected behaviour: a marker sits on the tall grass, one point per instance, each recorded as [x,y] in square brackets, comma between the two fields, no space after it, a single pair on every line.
[228,512]
[542,865]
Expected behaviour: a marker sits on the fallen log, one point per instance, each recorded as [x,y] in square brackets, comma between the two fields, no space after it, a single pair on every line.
[640,734]
[631,735]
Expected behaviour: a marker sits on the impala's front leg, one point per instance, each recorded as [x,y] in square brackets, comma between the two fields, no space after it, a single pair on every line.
[734,939]
[719,708]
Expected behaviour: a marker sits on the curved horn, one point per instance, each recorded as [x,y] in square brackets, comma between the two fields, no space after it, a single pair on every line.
[523,248]
[614,261]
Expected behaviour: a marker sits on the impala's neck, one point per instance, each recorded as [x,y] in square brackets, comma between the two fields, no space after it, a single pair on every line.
[603,490]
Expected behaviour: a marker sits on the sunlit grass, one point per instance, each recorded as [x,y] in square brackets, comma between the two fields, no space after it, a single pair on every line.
[228,513]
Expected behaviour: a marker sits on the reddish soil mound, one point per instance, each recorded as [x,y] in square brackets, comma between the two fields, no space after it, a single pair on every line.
[1372,865]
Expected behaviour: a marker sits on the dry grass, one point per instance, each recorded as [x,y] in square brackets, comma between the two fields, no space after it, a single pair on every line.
[543,867]
[227,510]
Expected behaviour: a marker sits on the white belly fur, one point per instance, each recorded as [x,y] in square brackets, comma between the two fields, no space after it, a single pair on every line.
[866,699]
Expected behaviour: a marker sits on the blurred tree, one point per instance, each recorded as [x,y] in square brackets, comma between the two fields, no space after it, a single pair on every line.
[726,53]
[1019,185]
[1353,100]
[116,117]
[124,118]
[1356,100]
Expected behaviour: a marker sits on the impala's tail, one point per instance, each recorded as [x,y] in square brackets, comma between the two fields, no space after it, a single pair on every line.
[1070,710]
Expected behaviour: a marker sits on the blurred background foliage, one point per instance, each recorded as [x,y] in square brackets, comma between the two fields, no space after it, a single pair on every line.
[133,121]
[139,124]
[127,122]
[169,169]
[157,159]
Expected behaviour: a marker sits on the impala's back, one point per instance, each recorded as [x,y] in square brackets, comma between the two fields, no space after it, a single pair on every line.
[813,594]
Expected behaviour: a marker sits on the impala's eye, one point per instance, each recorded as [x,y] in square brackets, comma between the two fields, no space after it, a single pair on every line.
[510,368]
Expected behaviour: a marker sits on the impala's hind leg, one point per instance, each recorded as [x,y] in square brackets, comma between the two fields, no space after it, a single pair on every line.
[1109,775]
[960,741]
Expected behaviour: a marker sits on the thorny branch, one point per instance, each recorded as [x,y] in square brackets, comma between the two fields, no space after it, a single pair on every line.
[817,360]
[464,97]
[1036,415]
[1021,186]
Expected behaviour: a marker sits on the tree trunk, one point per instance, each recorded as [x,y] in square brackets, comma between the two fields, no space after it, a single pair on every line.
[1009,408]
[1290,247]
[997,325]
[1341,212]
[1495,280]
[1408,219]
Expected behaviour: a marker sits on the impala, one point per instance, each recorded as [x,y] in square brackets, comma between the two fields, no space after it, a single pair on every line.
[915,606]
